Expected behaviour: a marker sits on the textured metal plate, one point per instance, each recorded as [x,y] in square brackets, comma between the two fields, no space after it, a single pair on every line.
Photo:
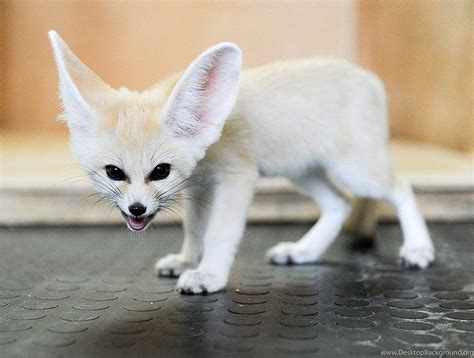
[90,291]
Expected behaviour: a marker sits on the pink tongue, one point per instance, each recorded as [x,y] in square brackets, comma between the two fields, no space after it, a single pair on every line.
[137,224]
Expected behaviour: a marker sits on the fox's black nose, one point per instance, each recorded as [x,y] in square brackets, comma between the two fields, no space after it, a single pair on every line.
[137,209]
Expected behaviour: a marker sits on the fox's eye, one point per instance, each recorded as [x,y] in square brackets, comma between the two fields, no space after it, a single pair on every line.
[115,173]
[161,171]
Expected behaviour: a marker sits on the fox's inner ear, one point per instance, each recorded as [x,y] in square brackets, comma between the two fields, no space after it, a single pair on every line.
[205,94]
[79,87]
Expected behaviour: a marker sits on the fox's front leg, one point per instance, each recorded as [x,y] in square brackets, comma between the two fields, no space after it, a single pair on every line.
[197,207]
[232,197]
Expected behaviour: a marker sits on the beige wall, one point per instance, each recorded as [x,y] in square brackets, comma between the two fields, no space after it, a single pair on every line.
[423,51]
[2,63]
[135,44]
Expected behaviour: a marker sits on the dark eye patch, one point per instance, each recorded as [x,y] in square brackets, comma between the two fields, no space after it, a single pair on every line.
[161,171]
[115,173]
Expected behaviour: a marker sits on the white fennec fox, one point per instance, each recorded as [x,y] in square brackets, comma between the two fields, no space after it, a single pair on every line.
[211,131]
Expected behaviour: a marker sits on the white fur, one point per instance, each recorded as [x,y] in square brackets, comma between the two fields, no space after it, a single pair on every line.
[205,95]
[320,122]
[72,72]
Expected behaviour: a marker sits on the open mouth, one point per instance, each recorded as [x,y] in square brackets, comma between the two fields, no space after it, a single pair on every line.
[137,223]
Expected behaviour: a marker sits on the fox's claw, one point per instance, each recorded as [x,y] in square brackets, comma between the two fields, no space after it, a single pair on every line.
[289,253]
[195,282]
[416,257]
[172,265]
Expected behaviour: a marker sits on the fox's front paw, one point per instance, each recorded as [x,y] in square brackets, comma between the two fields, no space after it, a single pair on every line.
[289,253]
[416,257]
[172,265]
[195,281]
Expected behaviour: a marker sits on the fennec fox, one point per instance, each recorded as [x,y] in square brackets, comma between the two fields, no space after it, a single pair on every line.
[208,133]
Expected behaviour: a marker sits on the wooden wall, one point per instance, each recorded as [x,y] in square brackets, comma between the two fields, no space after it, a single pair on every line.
[2,65]
[423,51]
[137,43]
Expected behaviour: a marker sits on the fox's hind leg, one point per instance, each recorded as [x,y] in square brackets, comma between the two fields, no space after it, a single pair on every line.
[417,250]
[335,208]
[370,175]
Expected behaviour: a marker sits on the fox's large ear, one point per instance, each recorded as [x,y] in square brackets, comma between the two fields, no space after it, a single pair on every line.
[205,94]
[79,87]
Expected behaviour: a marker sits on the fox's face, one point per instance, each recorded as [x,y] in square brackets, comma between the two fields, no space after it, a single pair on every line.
[135,163]
[140,149]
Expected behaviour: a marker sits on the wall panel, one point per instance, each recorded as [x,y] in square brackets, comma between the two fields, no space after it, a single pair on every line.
[137,43]
[423,51]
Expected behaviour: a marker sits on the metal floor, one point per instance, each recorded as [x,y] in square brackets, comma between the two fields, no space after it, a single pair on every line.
[89,291]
